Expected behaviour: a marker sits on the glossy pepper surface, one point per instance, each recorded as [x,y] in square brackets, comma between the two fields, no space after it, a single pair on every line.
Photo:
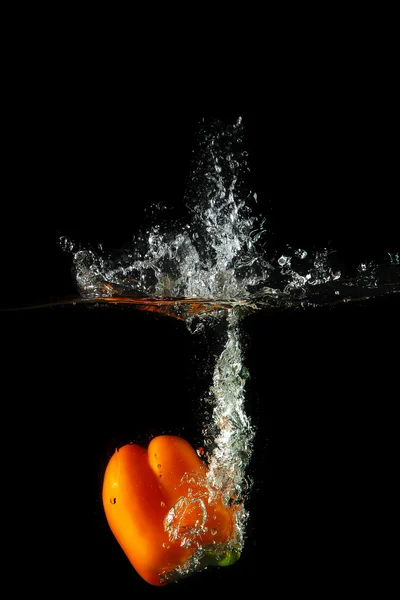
[159,507]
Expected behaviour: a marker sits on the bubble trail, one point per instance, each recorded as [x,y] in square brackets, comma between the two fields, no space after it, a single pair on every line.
[229,442]
[231,430]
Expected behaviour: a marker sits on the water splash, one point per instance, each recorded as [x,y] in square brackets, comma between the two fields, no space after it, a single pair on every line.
[213,254]
[215,264]
[219,251]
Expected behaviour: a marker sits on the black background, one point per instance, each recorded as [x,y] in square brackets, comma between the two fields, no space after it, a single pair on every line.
[78,382]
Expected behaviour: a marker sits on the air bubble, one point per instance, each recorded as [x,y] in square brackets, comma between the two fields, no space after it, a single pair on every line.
[284,260]
[300,254]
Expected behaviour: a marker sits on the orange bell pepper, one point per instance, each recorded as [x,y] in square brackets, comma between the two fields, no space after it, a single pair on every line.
[159,507]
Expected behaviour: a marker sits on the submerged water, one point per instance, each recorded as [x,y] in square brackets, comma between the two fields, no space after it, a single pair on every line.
[216,264]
